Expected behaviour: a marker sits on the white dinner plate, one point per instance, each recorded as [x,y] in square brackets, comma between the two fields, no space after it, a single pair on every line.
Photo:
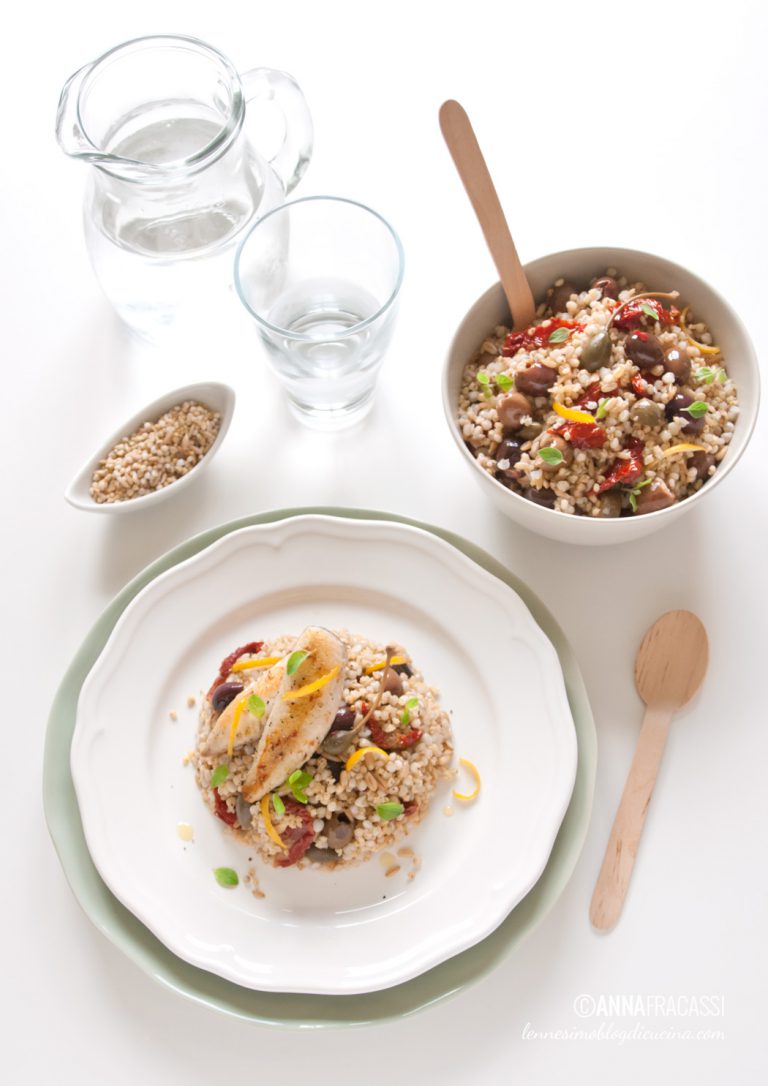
[328,932]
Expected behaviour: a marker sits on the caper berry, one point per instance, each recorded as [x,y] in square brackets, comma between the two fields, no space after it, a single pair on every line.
[596,353]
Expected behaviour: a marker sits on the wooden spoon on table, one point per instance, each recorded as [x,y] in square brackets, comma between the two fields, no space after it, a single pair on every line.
[670,667]
[469,161]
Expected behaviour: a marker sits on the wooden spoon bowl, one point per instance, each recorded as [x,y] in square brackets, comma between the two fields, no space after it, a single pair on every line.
[670,667]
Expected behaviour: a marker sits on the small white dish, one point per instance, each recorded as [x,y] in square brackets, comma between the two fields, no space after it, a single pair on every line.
[326,932]
[216,396]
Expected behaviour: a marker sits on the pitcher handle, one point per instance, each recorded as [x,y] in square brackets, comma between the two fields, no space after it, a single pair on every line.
[291,160]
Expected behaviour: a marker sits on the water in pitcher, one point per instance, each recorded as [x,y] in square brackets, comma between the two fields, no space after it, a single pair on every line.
[168,263]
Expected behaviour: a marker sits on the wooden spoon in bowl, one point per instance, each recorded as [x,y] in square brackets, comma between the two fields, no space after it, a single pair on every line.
[468,159]
[670,667]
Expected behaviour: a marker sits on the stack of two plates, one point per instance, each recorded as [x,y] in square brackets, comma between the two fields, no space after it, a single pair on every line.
[380,946]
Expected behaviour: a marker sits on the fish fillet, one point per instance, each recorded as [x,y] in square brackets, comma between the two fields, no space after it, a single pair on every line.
[295,729]
[250,727]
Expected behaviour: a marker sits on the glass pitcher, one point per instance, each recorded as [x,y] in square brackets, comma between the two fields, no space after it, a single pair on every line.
[176,181]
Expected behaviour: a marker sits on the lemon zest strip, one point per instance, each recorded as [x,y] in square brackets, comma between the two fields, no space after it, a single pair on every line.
[572,414]
[705,348]
[264,661]
[392,663]
[353,759]
[466,797]
[310,688]
[271,831]
[684,446]
[238,712]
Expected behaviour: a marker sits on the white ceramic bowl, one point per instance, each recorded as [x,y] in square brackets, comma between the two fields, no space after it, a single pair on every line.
[218,397]
[581,265]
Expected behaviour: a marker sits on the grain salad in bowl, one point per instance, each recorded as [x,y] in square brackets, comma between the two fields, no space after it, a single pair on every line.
[616,402]
[320,750]
[625,404]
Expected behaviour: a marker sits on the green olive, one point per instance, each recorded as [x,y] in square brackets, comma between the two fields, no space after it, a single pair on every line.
[596,353]
[647,413]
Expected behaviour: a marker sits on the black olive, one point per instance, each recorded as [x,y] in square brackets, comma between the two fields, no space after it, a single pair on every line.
[702,462]
[224,694]
[403,669]
[644,349]
[536,380]
[678,408]
[560,296]
[607,286]
[509,449]
[656,496]
[544,496]
[677,362]
[344,720]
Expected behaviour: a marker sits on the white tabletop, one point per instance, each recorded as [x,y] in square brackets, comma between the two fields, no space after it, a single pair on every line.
[635,125]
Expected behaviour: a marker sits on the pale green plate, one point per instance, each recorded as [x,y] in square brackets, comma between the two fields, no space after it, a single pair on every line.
[279,1009]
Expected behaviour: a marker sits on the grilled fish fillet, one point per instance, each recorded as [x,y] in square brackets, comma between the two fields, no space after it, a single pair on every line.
[266,686]
[295,729]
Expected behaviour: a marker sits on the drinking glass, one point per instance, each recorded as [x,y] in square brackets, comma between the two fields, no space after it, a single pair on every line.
[321,278]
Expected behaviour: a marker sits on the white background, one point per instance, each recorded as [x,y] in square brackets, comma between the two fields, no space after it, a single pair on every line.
[640,125]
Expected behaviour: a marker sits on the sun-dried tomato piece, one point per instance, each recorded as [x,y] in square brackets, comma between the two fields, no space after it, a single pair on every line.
[410,808]
[396,740]
[226,664]
[592,395]
[582,435]
[297,839]
[635,313]
[222,811]
[640,386]
[542,335]
[625,471]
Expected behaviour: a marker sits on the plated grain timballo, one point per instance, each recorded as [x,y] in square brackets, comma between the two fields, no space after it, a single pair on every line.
[321,750]
[616,402]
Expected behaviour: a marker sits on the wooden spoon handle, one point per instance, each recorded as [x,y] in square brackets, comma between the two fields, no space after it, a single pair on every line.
[468,159]
[619,860]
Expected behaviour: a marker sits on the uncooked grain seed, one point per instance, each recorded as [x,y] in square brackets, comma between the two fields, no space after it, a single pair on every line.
[189,427]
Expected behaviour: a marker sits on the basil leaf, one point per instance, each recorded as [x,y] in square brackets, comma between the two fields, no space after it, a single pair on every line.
[722,377]
[633,501]
[505,382]
[649,311]
[697,409]
[256,706]
[551,456]
[388,811]
[225,876]
[705,374]
[602,410]
[295,660]
[297,782]
[405,716]
[559,335]
[483,378]
[278,804]
[219,775]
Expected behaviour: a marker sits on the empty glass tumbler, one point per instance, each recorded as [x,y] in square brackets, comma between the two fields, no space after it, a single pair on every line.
[321,278]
